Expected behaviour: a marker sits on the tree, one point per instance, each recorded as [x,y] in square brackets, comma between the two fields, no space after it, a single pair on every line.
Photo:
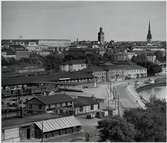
[8,61]
[52,62]
[150,123]
[116,129]
[92,58]
[142,58]
[109,55]
[152,68]
[160,56]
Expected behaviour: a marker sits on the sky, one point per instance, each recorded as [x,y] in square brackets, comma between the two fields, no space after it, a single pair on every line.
[121,21]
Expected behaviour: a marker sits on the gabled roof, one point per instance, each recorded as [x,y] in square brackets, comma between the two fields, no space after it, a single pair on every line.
[59,123]
[83,101]
[57,98]
[28,120]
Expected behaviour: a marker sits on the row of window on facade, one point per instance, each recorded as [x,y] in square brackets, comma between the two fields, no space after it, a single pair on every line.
[51,106]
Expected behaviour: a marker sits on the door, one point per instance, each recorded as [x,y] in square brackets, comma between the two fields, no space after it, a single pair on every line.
[28,133]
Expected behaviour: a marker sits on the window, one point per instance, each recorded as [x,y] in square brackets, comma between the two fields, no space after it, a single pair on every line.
[82,65]
[66,103]
[3,134]
[58,105]
[40,106]
[45,136]
[63,104]
[69,103]
[30,106]
[81,109]
[91,107]
[61,111]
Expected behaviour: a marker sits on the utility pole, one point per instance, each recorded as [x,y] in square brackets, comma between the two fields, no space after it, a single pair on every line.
[18,101]
[114,94]
[118,106]
[42,132]
[109,96]
[116,99]
[73,108]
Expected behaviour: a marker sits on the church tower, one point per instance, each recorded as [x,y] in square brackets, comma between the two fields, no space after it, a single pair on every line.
[149,36]
[101,36]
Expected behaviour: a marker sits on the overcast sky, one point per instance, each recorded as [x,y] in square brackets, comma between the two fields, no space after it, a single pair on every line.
[121,21]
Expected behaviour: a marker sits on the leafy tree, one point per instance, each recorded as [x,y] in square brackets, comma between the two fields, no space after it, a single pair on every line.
[108,55]
[144,125]
[74,53]
[92,59]
[116,129]
[142,58]
[8,61]
[150,123]
[152,68]
[160,56]
[52,62]
[4,62]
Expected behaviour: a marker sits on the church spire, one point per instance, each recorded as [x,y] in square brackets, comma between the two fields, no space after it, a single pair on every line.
[149,36]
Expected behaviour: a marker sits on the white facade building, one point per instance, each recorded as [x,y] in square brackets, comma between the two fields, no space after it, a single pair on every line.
[74,65]
[122,72]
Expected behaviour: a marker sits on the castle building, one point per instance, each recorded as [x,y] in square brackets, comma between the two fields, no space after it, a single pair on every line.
[101,36]
[149,36]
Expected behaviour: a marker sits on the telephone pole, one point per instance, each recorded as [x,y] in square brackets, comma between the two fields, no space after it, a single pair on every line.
[116,101]
[42,132]
[118,106]
[109,97]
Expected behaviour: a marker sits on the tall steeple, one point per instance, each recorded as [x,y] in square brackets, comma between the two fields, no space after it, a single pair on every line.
[149,36]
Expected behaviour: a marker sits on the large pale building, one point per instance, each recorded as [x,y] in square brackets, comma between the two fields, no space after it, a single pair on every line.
[122,72]
[73,65]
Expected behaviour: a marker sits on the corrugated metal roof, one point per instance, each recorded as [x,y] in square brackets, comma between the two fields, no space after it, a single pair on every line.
[59,123]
